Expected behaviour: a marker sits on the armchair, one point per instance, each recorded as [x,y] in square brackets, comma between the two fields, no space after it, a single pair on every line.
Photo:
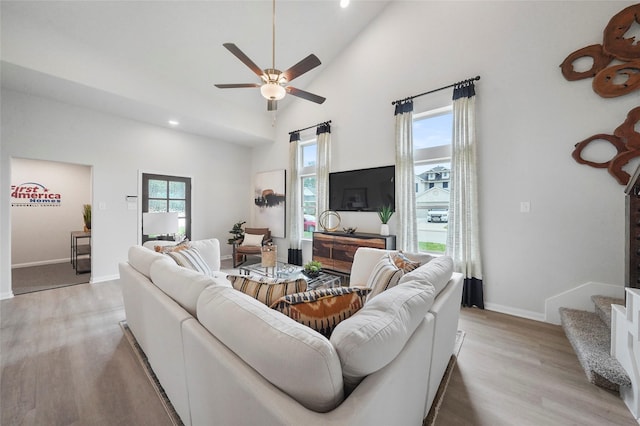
[240,251]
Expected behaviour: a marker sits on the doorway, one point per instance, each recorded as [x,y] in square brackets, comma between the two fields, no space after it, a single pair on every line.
[47,206]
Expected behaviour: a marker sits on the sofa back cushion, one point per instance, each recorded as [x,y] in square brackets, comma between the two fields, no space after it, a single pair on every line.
[184,285]
[436,273]
[293,357]
[141,259]
[376,334]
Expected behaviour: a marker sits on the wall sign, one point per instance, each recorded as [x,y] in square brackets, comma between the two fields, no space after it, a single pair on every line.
[33,194]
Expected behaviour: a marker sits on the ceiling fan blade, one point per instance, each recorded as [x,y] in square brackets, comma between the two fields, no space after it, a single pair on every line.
[272,105]
[305,95]
[236,86]
[307,64]
[244,58]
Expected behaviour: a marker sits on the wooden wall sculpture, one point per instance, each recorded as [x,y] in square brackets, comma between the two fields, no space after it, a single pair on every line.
[615,80]
[609,81]
[626,141]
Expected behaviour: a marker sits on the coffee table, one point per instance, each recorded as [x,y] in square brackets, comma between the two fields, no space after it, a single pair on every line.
[287,271]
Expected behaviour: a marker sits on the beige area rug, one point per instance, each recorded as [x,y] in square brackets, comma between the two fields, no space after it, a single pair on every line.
[144,362]
[171,412]
[430,420]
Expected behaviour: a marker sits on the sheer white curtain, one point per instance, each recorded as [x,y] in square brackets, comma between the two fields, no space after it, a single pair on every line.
[323,167]
[407,238]
[463,243]
[294,204]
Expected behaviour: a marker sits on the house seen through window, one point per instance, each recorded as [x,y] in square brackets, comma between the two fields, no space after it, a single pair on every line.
[308,151]
[432,132]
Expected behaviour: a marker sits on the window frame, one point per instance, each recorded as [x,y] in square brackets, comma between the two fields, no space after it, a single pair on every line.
[432,155]
[146,177]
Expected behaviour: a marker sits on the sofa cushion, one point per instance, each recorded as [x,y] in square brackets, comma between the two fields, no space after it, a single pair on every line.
[296,359]
[141,259]
[265,289]
[437,273]
[384,275]
[184,285]
[323,309]
[210,251]
[376,334]
[190,259]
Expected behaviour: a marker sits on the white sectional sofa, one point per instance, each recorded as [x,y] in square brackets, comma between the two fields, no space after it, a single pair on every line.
[225,358]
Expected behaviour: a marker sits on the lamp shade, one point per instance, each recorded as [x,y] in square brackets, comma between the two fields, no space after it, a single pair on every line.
[272,91]
[159,223]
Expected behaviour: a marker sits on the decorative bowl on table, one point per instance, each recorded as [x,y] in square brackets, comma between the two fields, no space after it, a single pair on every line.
[349,230]
[312,269]
[311,274]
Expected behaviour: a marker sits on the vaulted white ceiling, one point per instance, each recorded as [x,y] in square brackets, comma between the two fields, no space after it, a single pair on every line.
[158,60]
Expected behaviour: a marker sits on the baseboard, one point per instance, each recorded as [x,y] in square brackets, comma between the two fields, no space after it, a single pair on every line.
[40,263]
[104,278]
[8,295]
[579,298]
[536,316]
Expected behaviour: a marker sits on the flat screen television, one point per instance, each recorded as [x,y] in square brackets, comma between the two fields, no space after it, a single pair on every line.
[364,190]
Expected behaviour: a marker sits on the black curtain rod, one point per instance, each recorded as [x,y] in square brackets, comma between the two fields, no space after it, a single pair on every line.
[469,80]
[310,127]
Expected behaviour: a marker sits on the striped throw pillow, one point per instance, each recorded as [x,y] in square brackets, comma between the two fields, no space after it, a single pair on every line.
[322,309]
[403,262]
[191,259]
[265,289]
[383,276]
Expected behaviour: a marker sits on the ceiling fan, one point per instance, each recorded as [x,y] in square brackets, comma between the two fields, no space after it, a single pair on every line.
[274,84]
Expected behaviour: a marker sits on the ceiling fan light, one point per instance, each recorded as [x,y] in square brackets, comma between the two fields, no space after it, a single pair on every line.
[272,91]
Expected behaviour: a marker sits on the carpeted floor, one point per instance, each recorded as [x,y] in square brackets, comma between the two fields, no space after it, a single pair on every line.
[142,358]
[45,277]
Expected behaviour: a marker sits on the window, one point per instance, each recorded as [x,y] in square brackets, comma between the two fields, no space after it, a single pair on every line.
[162,193]
[432,132]
[308,151]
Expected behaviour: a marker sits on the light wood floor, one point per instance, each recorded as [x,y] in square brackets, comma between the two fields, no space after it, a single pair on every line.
[65,361]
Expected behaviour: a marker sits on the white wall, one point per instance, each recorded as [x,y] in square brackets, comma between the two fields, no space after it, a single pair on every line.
[40,231]
[118,149]
[529,117]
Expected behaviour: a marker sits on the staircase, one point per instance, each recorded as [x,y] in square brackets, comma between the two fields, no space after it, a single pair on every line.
[590,336]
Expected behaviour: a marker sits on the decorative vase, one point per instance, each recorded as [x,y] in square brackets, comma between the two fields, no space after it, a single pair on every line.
[384,229]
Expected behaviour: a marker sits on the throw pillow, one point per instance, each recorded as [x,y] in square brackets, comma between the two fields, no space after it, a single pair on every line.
[185,244]
[191,259]
[322,309]
[252,240]
[403,262]
[385,274]
[267,290]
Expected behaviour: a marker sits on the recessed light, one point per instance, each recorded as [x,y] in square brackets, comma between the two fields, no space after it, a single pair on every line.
[173,123]
[344,3]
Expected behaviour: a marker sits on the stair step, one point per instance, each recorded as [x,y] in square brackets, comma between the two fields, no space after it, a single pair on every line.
[591,339]
[603,307]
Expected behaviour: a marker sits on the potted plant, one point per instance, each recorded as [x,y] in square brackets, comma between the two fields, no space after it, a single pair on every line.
[384,213]
[237,232]
[86,216]
[312,269]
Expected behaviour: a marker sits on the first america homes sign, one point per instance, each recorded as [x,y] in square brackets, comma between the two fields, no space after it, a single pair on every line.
[33,194]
